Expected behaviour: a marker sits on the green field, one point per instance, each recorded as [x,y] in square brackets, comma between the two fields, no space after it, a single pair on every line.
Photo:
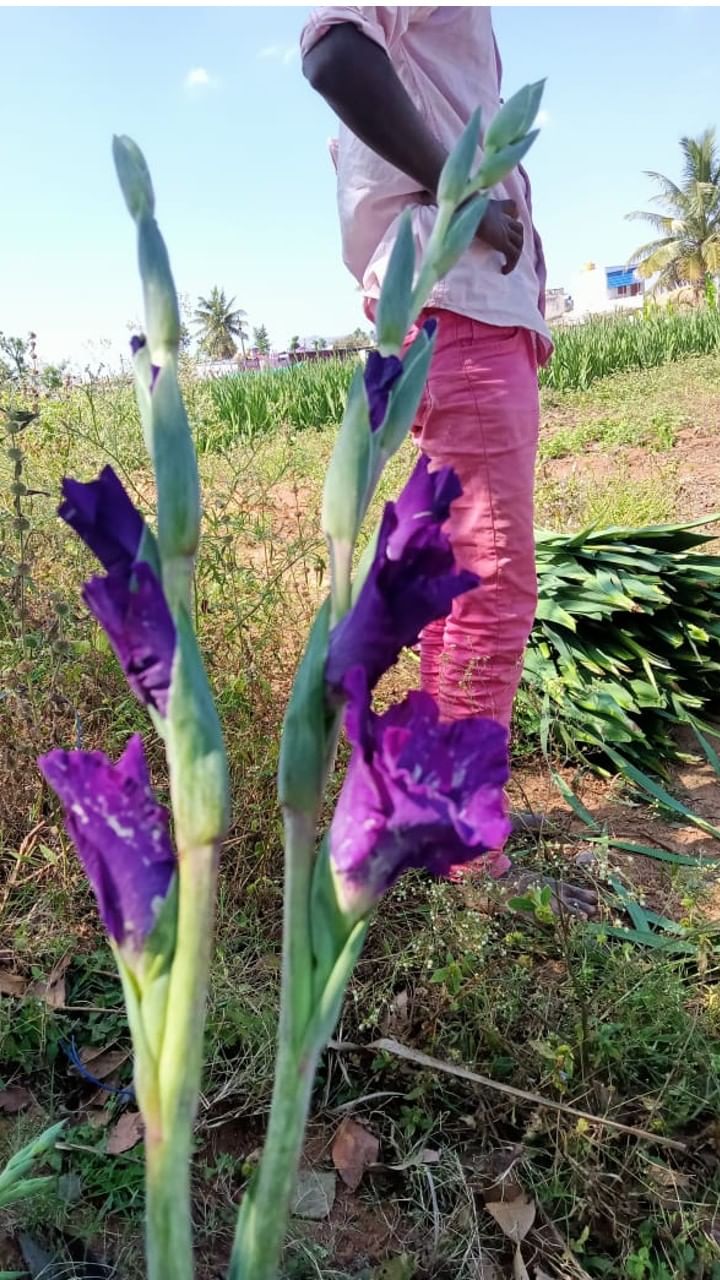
[311,396]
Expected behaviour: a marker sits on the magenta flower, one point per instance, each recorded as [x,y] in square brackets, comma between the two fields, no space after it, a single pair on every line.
[381,374]
[413,580]
[120,832]
[129,603]
[417,794]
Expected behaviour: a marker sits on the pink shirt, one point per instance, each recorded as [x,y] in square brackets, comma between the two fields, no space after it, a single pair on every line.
[448,62]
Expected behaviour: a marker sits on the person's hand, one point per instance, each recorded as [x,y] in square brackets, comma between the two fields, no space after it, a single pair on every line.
[501,229]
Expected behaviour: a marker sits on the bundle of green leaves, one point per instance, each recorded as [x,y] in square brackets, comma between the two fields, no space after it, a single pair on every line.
[626,643]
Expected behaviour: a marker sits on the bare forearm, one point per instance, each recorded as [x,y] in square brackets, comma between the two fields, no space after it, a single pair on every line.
[356,79]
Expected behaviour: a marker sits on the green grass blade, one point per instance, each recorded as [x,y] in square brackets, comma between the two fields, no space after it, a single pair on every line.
[659,855]
[576,805]
[633,908]
[644,939]
[710,752]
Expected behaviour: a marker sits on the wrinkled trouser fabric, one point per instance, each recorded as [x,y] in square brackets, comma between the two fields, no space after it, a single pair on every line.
[480,415]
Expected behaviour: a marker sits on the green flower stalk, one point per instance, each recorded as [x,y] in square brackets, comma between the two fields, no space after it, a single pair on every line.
[417,793]
[156,901]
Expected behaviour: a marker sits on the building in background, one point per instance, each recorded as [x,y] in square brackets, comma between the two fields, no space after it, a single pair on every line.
[597,290]
[309,351]
[558,303]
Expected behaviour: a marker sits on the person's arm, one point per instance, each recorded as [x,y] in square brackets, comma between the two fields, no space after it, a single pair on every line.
[356,78]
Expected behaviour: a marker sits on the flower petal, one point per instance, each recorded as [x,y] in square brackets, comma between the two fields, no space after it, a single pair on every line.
[381,374]
[120,832]
[417,794]
[134,612]
[104,516]
[413,580]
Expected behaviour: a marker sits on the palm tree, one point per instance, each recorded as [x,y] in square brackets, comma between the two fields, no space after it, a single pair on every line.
[261,338]
[687,250]
[219,325]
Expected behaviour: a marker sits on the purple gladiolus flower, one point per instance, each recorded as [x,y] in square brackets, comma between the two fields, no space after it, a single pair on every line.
[121,834]
[129,603]
[133,611]
[104,516]
[417,794]
[381,374]
[137,343]
[413,579]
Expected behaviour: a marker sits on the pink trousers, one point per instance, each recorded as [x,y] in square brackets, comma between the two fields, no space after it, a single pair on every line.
[480,414]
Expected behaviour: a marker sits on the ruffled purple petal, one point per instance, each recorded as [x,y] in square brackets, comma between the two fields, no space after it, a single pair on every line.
[381,374]
[412,581]
[417,794]
[134,612]
[121,834]
[423,506]
[137,342]
[103,515]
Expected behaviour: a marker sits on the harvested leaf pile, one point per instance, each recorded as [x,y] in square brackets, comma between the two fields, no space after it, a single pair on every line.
[626,644]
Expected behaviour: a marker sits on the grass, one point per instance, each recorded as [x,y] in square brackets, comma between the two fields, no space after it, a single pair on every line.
[658,436]
[245,407]
[606,345]
[582,498]
[249,405]
[580,1018]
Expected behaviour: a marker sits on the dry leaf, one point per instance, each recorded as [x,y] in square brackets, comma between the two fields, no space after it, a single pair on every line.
[98,1117]
[15,1099]
[314,1194]
[543,1275]
[514,1217]
[11,984]
[429,1155]
[520,1271]
[52,988]
[353,1149]
[663,1176]
[102,1063]
[125,1134]
[397,1016]
[498,1172]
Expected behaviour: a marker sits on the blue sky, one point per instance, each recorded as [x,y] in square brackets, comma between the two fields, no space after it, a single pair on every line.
[238,154]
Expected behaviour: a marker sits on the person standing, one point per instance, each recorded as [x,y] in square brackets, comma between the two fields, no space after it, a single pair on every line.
[404,82]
